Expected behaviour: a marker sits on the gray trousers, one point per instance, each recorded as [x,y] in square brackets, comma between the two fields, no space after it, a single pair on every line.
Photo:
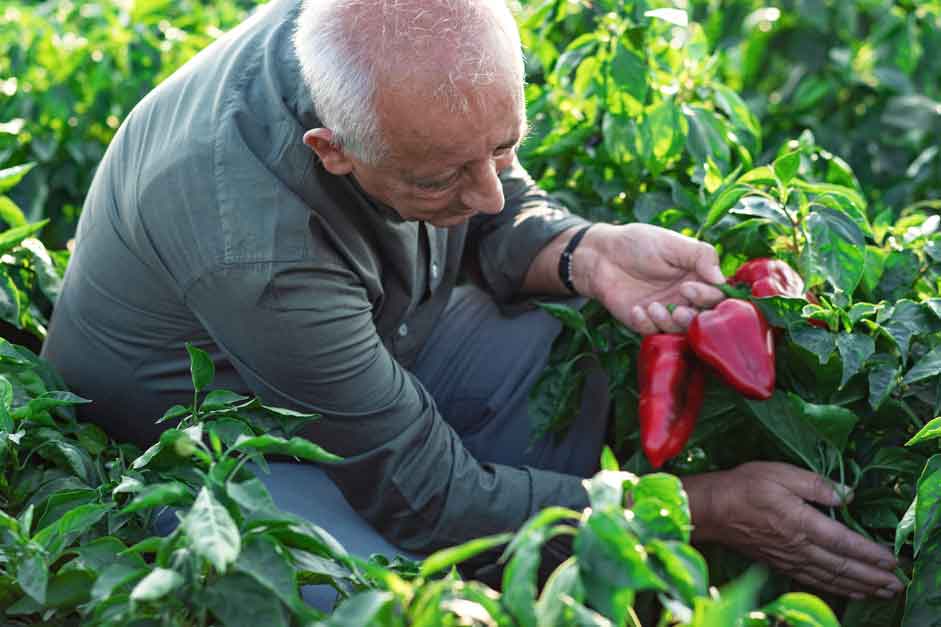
[479,366]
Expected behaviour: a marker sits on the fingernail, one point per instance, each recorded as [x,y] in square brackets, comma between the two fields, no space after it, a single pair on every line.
[887,564]
[884,593]
[857,596]
[684,317]
[688,291]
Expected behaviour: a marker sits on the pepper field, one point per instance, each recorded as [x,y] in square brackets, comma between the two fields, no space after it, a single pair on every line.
[807,131]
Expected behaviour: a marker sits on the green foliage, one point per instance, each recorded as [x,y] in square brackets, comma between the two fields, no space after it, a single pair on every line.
[69,75]
[805,131]
[853,79]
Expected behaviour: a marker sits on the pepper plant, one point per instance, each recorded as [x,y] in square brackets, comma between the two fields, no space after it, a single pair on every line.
[857,369]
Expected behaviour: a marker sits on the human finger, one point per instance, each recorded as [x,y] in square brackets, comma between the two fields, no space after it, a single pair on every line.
[836,538]
[683,316]
[662,317]
[808,485]
[691,254]
[821,585]
[641,323]
[848,572]
[701,295]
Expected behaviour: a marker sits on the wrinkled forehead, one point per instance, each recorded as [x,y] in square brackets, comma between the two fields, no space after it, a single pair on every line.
[471,121]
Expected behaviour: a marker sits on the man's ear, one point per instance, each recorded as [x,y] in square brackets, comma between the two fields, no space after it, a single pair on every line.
[334,160]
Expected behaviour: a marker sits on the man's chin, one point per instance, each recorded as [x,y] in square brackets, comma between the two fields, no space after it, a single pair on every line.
[452,220]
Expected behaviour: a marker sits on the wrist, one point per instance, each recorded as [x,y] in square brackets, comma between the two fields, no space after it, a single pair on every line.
[566,267]
[706,505]
[583,261]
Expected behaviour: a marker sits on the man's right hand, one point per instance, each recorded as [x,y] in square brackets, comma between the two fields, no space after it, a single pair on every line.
[762,510]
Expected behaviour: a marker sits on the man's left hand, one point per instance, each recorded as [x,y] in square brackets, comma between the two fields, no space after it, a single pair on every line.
[636,270]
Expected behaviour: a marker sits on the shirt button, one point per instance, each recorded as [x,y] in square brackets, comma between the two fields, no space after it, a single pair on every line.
[403,329]
[434,270]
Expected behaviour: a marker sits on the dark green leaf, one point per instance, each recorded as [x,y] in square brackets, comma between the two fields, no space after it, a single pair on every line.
[928,507]
[928,366]
[761,207]
[299,447]
[570,317]
[238,600]
[836,248]
[268,563]
[174,413]
[361,609]
[217,399]
[786,166]
[899,274]
[32,574]
[707,137]
[103,552]
[884,372]
[907,319]
[169,493]
[67,529]
[832,422]
[201,367]
[924,596]
[820,342]
[115,577]
[780,417]
[722,204]
[855,349]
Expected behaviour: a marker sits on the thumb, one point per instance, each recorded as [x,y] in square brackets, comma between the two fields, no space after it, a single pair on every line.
[707,264]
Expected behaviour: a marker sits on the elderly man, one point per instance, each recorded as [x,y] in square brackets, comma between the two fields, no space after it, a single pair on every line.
[299,201]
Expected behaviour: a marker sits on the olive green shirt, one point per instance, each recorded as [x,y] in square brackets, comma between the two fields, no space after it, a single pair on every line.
[210,221]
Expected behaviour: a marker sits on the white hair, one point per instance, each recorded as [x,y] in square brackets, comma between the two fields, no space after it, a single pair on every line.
[349,49]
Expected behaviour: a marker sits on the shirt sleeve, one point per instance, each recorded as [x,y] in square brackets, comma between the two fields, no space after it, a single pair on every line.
[302,336]
[505,244]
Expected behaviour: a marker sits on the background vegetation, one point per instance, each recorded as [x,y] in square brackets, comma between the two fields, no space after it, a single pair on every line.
[807,130]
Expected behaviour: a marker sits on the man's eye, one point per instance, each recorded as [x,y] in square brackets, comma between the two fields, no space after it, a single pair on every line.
[435,186]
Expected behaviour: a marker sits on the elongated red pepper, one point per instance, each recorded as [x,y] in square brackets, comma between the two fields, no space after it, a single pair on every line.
[672,386]
[735,339]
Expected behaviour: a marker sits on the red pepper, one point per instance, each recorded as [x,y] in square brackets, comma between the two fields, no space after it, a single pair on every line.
[672,386]
[735,339]
[769,277]
[773,277]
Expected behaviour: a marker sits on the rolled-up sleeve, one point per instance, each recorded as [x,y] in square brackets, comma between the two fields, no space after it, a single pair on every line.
[303,337]
[505,244]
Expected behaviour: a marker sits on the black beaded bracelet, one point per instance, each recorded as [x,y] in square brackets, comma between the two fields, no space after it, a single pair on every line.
[565,261]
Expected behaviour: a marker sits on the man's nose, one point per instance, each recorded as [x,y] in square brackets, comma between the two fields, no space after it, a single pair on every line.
[484,191]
